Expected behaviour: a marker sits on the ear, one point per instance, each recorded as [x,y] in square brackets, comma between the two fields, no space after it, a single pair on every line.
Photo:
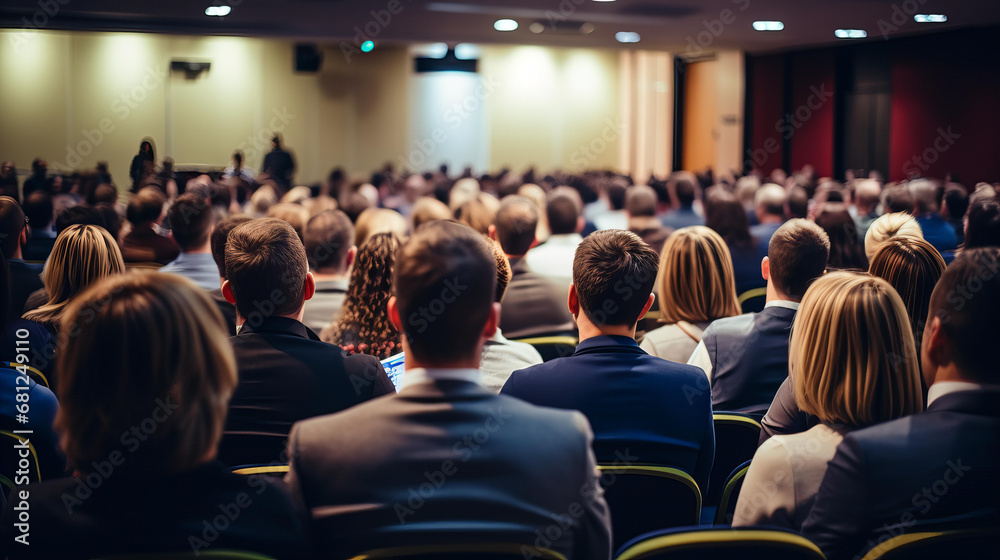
[580,224]
[227,292]
[645,309]
[573,301]
[491,232]
[22,239]
[492,321]
[765,268]
[394,314]
[934,349]
[310,287]
[351,253]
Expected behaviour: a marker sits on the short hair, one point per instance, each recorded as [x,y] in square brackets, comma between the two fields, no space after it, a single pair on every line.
[967,302]
[79,216]
[295,214]
[503,269]
[957,201]
[867,192]
[219,237]
[476,214]
[798,202]
[926,196]
[263,199]
[191,221]
[616,195]
[614,272]
[886,227]
[697,282]
[516,223]
[983,224]
[328,238]
[913,267]
[771,199]
[103,193]
[379,220]
[39,209]
[145,206]
[684,189]
[846,251]
[897,199]
[354,204]
[177,338]
[462,191]
[266,262]
[640,200]
[562,214]
[852,356]
[427,209]
[81,255]
[445,285]
[797,255]
[11,225]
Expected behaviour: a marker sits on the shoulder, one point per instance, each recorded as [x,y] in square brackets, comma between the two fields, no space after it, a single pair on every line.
[740,324]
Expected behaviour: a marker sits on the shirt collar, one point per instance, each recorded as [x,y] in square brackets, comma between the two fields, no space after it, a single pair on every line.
[564,239]
[793,305]
[279,324]
[429,375]
[940,389]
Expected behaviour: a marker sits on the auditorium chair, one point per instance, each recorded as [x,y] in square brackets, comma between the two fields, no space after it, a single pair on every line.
[730,494]
[736,439]
[700,543]
[933,545]
[644,498]
[752,301]
[466,551]
[551,347]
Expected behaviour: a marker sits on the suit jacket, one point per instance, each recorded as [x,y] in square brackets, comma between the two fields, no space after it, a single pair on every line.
[142,244]
[532,305]
[287,374]
[657,411]
[228,310]
[443,453]
[205,508]
[749,356]
[917,473]
[784,417]
[23,282]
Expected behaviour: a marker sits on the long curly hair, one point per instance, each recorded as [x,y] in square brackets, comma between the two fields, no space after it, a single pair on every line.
[364,326]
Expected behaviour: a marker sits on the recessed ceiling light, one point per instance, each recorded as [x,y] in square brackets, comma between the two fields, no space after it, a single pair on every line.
[505,25]
[627,37]
[536,27]
[218,11]
[587,28]
[768,25]
[930,18]
[851,33]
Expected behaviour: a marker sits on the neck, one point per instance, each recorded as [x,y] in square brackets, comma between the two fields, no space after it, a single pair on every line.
[17,253]
[774,294]
[206,248]
[770,219]
[298,317]
[950,372]
[413,362]
[589,330]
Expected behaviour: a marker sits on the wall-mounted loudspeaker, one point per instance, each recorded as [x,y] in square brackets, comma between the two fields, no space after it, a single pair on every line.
[308,58]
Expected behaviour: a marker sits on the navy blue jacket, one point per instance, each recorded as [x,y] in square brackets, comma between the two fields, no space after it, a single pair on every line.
[639,406]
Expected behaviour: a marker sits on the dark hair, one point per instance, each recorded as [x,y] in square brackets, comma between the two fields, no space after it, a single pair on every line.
[797,255]
[190,221]
[266,265]
[846,250]
[238,156]
[102,193]
[5,294]
[445,281]
[562,214]
[957,202]
[112,220]
[614,272]
[11,225]
[219,236]
[967,301]
[353,204]
[39,209]
[79,215]
[897,199]
[983,228]
[516,222]
[798,203]
[725,215]
[328,237]
[145,206]
[640,201]
[616,195]
[685,191]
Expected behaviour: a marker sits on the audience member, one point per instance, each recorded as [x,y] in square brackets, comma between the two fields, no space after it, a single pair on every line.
[24,280]
[846,252]
[38,181]
[725,215]
[363,326]
[158,486]
[378,220]
[640,207]
[279,164]
[695,286]
[220,234]
[291,212]
[238,170]
[897,198]
[8,181]
[286,373]
[476,214]
[983,223]
[954,205]
[883,481]
[746,357]
[536,464]
[797,205]
[683,191]
[616,217]
[191,223]
[927,210]
[852,361]
[867,193]
[888,226]
[40,213]
[636,403]
[769,208]
[427,209]
[262,200]
[142,164]
[78,215]
[537,196]
[553,260]
[329,243]
[143,243]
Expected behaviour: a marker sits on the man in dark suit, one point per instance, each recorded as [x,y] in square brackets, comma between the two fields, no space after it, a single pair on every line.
[13,235]
[939,469]
[532,305]
[285,373]
[446,454]
[746,357]
[637,404]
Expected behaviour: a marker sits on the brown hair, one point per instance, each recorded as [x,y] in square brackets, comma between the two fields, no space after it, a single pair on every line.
[143,351]
[696,280]
[11,225]
[913,267]
[219,236]
[145,206]
[427,209]
[329,236]
[614,272]
[295,214]
[191,221]
[266,262]
[516,224]
[797,255]
[476,214]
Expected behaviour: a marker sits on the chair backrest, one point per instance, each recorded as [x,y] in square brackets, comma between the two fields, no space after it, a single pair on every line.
[730,493]
[13,459]
[644,498]
[143,266]
[964,543]
[551,347]
[33,372]
[744,543]
[189,555]
[736,439]
[269,470]
[752,301]
[464,551]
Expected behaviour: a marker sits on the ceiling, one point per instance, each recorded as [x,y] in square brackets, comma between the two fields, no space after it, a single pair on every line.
[691,26]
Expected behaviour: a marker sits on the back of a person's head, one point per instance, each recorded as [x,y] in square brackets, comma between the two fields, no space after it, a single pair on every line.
[503,269]
[265,258]
[726,216]
[263,199]
[846,251]
[11,225]
[462,191]
[103,194]
[318,205]
[966,301]
[926,196]
[177,339]
[852,355]
[563,214]
[445,286]
[428,209]
[887,226]
[39,209]
[295,214]
[913,267]
[516,223]
[614,272]
[897,199]
[746,190]
[191,221]
[297,195]
[983,223]
[146,206]
[956,199]
[798,203]
[79,216]
[867,193]
[684,187]
[616,195]
[219,236]
[697,281]
[640,201]
[797,255]
[770,199]
[476,214]
[329,237]
[379,220]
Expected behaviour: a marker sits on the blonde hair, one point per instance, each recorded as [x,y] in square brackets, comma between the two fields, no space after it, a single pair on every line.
[427,209]
[294,214]
[82,254]
[696,282]
[888,226]
[852,356]
[147,351]
[263,199]
[913,267]
[379,220]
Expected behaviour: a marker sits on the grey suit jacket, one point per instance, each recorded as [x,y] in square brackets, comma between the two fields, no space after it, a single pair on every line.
[450,455]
